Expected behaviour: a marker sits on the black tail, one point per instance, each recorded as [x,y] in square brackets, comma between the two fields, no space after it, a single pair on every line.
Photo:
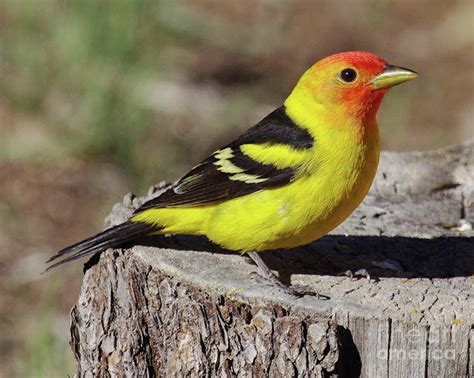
[113,237]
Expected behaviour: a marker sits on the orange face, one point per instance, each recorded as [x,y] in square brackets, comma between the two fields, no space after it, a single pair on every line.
[356,80]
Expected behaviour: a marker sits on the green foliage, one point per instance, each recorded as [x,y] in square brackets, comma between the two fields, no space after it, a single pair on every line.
[44,352]
[81,72]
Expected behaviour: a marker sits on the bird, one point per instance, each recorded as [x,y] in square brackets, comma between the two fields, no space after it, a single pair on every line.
[285,182]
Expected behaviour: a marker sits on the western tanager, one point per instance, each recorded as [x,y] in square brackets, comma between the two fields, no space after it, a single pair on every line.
[285,182]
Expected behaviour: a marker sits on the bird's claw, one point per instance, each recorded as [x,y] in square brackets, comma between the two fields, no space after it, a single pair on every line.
[293,290]
[360,273]
[302,290]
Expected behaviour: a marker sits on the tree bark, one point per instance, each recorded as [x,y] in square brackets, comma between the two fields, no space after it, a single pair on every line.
[186,308]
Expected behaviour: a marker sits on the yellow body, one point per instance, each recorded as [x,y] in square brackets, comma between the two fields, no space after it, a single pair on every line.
[333,178]
[285,182]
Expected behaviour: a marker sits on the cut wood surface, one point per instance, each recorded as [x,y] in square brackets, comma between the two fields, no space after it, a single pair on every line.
[179,306]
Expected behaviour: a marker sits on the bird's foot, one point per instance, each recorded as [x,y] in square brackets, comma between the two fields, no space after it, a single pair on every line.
[302,290]
[294,290]
[360,273]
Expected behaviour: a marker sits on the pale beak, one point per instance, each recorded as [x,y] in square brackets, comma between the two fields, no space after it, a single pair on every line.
[392,75]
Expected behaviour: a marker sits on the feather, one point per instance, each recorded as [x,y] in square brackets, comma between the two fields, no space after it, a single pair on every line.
[113,237]
[229,173]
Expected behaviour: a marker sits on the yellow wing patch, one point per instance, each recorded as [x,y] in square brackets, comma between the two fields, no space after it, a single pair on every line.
[279,155]
[248,179]
[224,164]
[235,173]
[226,153]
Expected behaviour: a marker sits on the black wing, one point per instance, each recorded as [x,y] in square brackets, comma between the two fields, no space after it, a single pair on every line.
[228,173]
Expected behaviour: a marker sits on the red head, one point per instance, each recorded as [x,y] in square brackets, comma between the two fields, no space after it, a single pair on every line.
[355,81]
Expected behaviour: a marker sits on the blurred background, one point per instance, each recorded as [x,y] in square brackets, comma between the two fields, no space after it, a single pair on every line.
[99,98]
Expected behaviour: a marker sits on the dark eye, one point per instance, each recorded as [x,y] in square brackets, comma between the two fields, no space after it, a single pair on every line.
[348,75]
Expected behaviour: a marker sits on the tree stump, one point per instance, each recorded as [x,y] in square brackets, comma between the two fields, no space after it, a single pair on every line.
[179,306]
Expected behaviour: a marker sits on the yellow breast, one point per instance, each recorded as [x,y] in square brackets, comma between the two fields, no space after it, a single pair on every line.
[335,180]
[333,177]
[343,165]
